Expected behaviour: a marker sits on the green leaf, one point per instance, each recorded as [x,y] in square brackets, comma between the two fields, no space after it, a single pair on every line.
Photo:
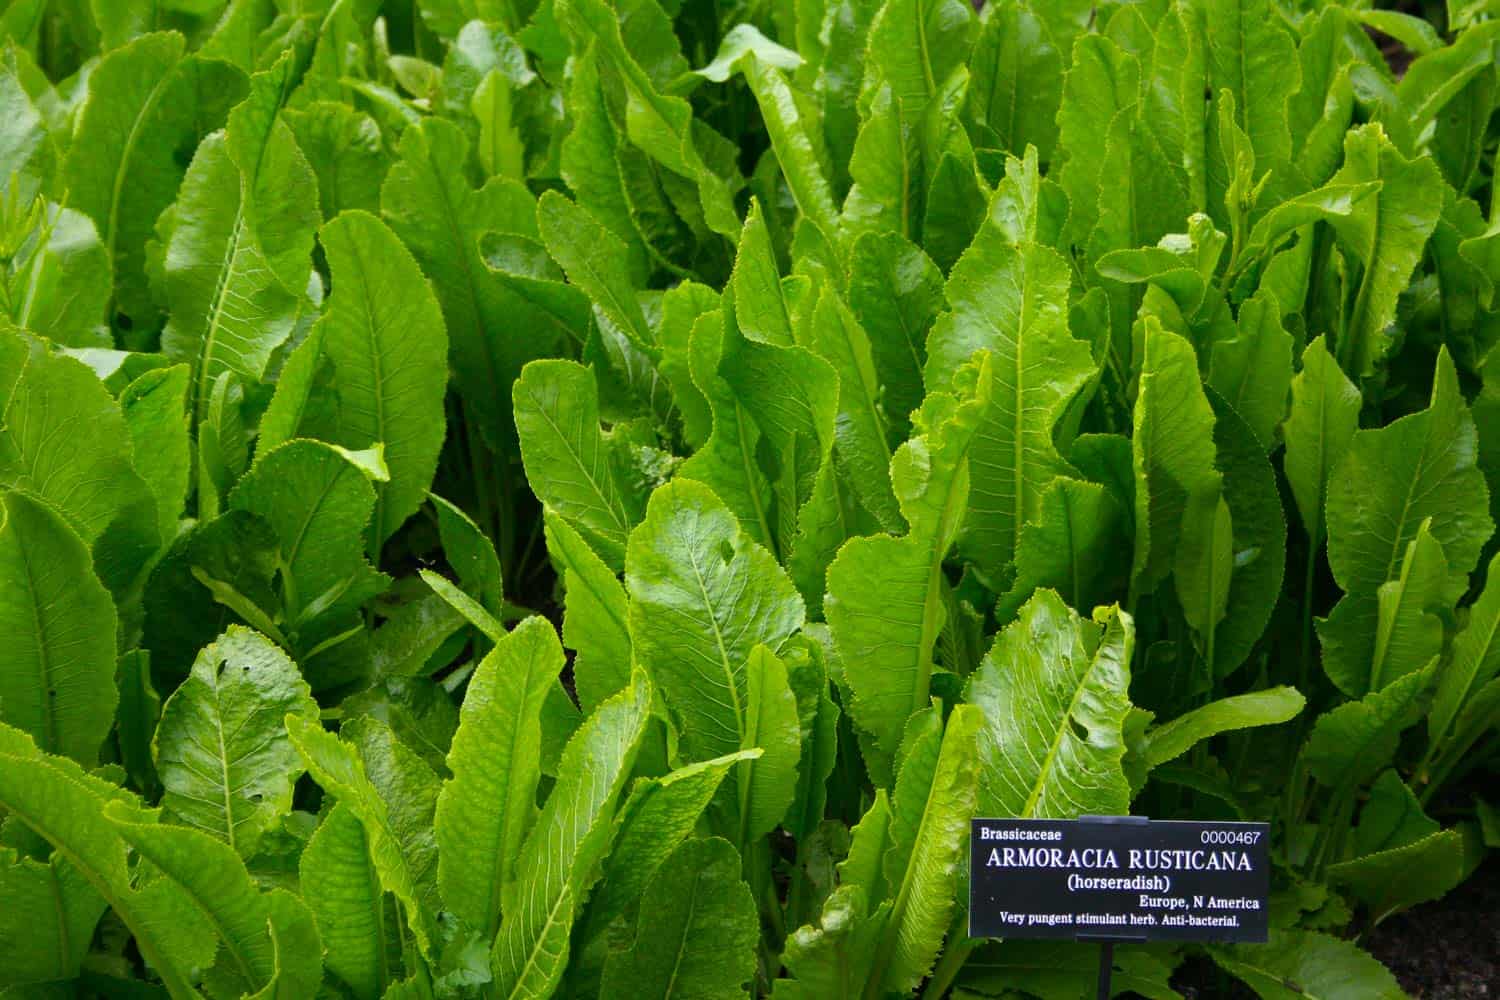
[895,291]
[427,200]
[794,133]
[1054,693]
[502,151]
[767,784]
[594,260]
[1407,614]
[1250,488]
[1075,520]
[926,889]
[885,602]
[661,125]
[1252,56]
[136,719]
[567,844]
[1205,562]
[337,767]
[568,461]
[740,41]
[410,789]
[1008,297]
[62,440]
[1474,664]
[471,553]
[594,615]
[342,888]
[222,751]
[319,504]
[344,148]
[1356,741]
[383,332]
[1393,480]
[1173,449]
[215,879]
[701,938]
[47,921]
[484,812]
[67,282]
[915,44]
[1258,708]
[1102,79]
[1305,964]
[239,251]
[1386,233]
[861,443]
[121,171]
[155,408]
[728,461]
[1017,79]
[1253,372]
[64,806]
[703,597]
[59,628]
[1323,418]
[658,816]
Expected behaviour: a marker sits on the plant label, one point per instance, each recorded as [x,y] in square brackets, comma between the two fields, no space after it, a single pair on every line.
[1121,877]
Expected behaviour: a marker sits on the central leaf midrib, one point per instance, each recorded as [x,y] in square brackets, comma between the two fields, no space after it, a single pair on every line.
[1045,770]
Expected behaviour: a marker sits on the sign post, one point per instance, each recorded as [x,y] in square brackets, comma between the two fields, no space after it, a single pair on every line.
[1117,879]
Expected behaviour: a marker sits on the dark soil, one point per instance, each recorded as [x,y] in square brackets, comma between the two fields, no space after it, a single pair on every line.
[1448,949]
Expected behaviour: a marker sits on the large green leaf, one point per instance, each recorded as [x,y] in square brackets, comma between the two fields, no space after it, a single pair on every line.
[338,767]
[1386,234]
[568,460]
[885,595]
[1075,521]
[63,440]
[938,795]
[1324,416]
[59,627]
[215,879]
[1054,693]
[383,332]
[1253,57]
[1258,708]
[895,291]
[658,816]
[594,616]
[64,287]
[1300,964]
[239,252]
[318,502]
[1474,664]
[428,201]
[703,597]
[701,935]
[142,103]
[563,852]
[342,888]
[155,408]
[1008,296]
[65,807]
[1418,469]
[484,812]
[1173,449]
[660,124]
[222,751]
[47,921]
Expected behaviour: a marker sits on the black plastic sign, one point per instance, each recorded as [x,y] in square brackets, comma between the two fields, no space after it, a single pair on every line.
[1125,878]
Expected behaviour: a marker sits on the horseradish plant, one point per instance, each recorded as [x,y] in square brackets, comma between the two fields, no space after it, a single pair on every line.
[517,499]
